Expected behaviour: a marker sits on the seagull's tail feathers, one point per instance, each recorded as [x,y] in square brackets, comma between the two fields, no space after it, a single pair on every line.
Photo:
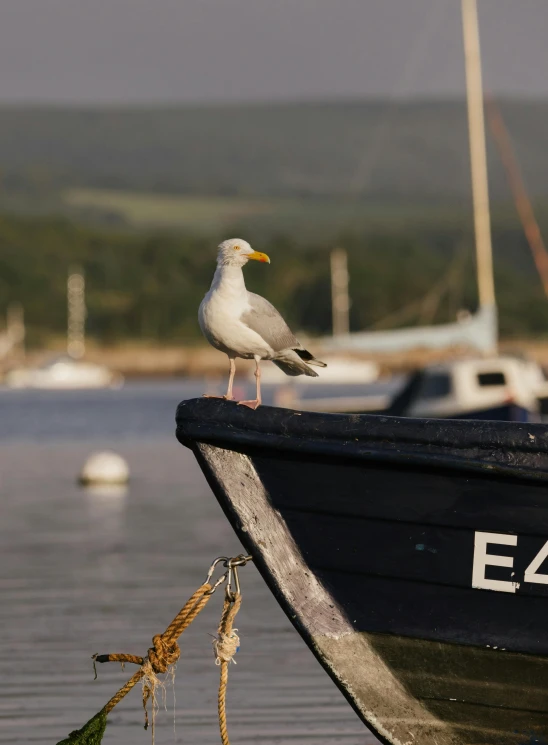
[305,355]
[296,362]
[295,367]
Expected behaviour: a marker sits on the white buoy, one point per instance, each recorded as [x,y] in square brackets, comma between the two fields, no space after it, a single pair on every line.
[104,467]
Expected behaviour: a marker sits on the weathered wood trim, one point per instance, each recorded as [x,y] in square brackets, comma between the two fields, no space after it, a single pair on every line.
[372,688]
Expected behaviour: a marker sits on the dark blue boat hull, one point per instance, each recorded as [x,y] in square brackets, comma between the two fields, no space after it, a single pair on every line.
[412,556]
[505,413]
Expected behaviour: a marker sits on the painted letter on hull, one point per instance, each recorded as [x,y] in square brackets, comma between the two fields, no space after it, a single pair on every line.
[483,559]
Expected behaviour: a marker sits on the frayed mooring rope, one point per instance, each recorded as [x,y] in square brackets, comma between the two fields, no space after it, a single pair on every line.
[225,647]
[162,656]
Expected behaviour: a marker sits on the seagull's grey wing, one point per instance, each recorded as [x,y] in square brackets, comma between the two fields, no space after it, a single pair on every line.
[264,319]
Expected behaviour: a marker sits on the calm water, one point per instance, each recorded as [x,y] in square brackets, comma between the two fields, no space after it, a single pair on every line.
[84,572]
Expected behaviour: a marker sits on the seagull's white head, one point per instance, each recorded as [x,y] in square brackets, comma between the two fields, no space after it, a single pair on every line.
[237,252]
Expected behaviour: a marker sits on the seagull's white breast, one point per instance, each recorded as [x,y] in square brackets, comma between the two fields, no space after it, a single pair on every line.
[219,317]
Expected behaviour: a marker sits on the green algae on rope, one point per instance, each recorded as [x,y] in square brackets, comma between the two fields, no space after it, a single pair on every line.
[91,733]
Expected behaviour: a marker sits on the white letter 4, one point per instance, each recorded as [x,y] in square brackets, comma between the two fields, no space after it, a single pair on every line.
[531,571]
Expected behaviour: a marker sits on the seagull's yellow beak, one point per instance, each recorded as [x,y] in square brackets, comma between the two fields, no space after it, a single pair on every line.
[258,256]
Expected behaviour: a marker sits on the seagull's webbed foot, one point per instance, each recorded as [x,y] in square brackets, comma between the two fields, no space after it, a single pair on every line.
[210,395]
[250,404]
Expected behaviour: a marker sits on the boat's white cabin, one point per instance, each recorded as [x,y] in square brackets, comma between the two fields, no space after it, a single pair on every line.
[470,385]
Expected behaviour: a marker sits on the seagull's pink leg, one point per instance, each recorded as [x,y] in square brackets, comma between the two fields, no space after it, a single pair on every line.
[229,396]
[257,402]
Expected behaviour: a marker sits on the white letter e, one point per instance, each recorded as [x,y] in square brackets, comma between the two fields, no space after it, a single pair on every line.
[483,559]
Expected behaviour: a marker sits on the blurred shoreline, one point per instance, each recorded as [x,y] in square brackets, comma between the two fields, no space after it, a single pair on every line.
[136,361]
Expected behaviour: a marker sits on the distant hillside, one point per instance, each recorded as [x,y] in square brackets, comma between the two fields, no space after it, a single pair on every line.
[148,286]
[376,150]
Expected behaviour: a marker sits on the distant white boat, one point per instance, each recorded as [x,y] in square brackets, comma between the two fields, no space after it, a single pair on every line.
[501,388]
[339,371]
[539,384]
[477,388]
[64,373]
[69,371]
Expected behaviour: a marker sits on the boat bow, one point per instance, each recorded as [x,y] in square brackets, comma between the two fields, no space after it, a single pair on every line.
[390,545]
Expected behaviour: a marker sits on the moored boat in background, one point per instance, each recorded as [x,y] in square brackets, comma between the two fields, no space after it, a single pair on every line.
[500,388]
[64,373]
[69,371]
[497,388]
[539,383]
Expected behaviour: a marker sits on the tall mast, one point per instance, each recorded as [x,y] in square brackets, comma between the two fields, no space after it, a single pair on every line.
[478,157]
[76,307]
[15,328]
[340,302]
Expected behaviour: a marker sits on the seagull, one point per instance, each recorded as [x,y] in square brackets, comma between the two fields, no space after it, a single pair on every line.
[243,324]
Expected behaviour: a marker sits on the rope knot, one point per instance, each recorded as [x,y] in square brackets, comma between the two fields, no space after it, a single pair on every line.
[165,651]
[163,654]
[225,646]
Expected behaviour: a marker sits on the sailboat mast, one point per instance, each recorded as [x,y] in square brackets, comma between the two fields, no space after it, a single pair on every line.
[478,156]
[340,302]
[76,311]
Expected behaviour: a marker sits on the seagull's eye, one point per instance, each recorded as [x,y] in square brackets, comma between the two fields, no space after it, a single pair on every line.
[236,248]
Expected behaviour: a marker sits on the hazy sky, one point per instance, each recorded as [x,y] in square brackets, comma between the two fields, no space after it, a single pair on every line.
[125,51]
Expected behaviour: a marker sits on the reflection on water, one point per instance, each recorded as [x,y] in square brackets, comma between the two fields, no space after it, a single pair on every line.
[103,569]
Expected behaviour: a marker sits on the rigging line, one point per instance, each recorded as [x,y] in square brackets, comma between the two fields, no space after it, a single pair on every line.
[383,129]
[448,282]
[455,293]
[431,300]
[519,191]
[398,316]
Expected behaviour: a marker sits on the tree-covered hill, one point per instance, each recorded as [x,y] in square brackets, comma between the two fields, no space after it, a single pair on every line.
[376,150]
[148,286]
